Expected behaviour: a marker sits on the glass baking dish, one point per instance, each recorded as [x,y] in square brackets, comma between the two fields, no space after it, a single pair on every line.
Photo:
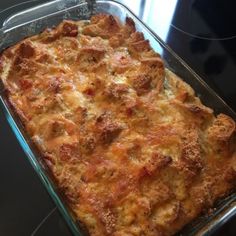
[33,21]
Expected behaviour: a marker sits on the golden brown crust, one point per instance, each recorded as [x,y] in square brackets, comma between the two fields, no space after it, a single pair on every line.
[131,147]
[221,135]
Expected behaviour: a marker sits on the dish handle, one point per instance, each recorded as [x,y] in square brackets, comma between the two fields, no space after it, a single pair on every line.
[9,16]
[32,9]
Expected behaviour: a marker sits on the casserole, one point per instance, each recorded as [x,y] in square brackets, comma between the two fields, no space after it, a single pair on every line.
[175,65]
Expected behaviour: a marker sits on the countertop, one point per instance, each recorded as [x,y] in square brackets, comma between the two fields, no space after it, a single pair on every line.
[202,33]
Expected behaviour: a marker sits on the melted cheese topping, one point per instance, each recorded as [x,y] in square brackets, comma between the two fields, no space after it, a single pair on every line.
[132,148]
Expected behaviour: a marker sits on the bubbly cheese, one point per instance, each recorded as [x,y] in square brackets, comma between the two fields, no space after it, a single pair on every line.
[131,147]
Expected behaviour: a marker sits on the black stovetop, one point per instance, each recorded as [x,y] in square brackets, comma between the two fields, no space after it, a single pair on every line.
[201,32]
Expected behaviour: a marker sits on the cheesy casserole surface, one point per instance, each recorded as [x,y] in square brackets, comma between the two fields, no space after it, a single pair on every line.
[131,147]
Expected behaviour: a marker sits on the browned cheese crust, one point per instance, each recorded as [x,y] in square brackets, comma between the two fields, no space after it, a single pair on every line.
[130,145]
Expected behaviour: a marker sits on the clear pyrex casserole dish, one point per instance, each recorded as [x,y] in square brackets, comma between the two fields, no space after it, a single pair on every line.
[35,20]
